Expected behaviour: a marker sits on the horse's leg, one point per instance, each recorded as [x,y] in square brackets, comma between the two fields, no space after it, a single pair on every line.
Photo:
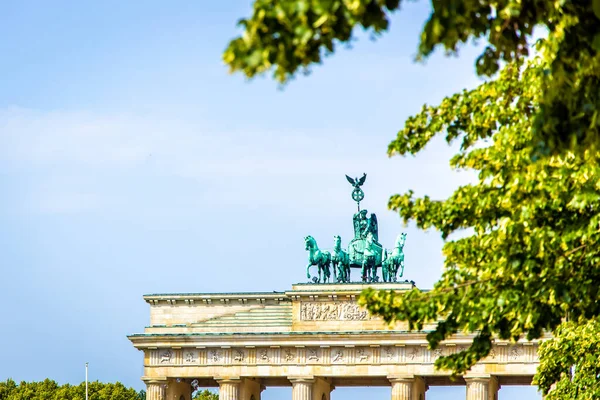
[374,272]
[347,271]
[385,272]
[308,271]
[335,274]
[364,271]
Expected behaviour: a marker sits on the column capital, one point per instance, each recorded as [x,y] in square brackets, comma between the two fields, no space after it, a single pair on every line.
[302,387]
[480,377]
[154,379]
[301,379]
[229,379]
[408,378]
[481,387]
[401,378]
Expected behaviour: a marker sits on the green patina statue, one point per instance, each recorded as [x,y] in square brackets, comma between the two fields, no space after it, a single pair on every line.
[340,261]
[357,193]
[364,250]
[320,258]
[394,261]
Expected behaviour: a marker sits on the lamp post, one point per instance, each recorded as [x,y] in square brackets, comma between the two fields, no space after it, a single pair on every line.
[86,381]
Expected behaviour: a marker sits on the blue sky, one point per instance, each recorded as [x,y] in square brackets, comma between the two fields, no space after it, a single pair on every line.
[132,163]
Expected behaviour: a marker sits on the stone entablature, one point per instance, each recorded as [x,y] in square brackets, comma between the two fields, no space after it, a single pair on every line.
[225,356]
[312,335]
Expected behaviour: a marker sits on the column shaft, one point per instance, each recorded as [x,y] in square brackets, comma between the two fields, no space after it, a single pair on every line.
[229,389]
[408,387]
[155,391]
[402,388]
[302,388]
[482,388]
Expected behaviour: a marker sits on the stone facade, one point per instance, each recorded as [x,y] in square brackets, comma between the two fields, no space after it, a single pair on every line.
[313,338]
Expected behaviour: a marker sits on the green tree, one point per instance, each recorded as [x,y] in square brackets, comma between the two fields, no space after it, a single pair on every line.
[50,390]
[570,362]
[290,35]
[205,395]
[6,388]
[531,259]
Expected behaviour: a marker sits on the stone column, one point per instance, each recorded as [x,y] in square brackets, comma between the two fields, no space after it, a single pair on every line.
[408,387]
[302,388]
[229,389]
[156,390]
[402,388]
[482,387]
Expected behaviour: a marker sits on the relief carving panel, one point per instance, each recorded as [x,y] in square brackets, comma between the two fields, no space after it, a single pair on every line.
[342,311]
[338,355]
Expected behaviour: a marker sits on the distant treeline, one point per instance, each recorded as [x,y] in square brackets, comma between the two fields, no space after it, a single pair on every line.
[50,390]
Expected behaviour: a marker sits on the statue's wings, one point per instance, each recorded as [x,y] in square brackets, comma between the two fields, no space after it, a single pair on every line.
[352,182]
[374,227]
[362,180]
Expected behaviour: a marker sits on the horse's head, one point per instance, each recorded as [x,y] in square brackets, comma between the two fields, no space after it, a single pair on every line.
[369,238]
[400,240]
[337,242]
[309,242]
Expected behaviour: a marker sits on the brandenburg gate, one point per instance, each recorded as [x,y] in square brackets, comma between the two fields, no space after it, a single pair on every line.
[313,337]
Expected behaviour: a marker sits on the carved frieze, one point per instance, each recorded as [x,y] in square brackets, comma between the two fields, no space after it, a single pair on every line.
[329,311]
[238,355]
[388,355]
[263,356]
[414,354]
[362,355]
[166,357]
[289,355]
[312,355]
[515,353]
[215,356]
[189,357]
[337,355]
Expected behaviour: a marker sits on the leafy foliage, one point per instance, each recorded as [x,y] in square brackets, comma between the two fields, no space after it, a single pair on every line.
[50,390]
[291,35]
[531,257]
[532,222]
[532,134]
[205,395]
[570,364]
